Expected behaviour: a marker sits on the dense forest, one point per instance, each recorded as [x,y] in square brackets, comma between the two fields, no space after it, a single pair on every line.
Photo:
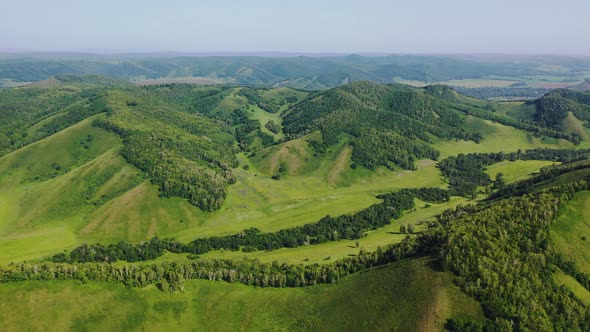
[503,256]
[391,125]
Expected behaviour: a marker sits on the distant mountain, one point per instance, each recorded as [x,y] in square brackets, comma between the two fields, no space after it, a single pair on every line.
[584,86]
[303,72]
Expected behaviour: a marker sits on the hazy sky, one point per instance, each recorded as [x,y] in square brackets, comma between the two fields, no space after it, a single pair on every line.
[438,26]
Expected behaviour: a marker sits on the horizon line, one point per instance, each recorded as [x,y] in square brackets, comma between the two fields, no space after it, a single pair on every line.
[270,53]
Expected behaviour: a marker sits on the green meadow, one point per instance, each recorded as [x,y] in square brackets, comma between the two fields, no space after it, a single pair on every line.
[571,231]
[405,296]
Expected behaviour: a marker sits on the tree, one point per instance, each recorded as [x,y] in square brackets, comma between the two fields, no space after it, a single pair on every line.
[410,229]
[402,229]
[273,127]
[499,183]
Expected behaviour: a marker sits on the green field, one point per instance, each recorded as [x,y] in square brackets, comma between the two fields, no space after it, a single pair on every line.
[124,206]
[406,296]
[321,253]
[573,285]
[497,137]
[516,170]
[465,83]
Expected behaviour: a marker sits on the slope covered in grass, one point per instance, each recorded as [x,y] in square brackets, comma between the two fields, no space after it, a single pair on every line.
[571,231]
[407,296]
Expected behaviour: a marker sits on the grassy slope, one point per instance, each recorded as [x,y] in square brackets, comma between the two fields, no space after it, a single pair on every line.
[497,137]
[516,170]
[571,124]
[406,296]
[112,202]
[570,227]
[573,285]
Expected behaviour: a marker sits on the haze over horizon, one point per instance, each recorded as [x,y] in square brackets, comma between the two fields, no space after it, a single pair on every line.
[298,27]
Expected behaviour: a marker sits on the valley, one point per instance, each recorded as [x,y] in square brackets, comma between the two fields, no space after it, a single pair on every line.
[93,161]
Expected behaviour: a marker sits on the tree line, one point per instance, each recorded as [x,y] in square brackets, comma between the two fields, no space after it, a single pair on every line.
[170,275]
[328,228]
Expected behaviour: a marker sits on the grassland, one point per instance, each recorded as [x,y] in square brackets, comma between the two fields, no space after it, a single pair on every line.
[406,296]
[465,83]
[543,81]
[516,170]
[111,201]
[554,80]
[497,137]
[321,253]
[573,285]
[571,231]
[571,124]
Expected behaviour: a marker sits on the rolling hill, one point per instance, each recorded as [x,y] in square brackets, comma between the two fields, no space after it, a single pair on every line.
[103,160]
[311,72]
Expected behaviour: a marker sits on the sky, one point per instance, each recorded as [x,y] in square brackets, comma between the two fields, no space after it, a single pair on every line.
[297,26]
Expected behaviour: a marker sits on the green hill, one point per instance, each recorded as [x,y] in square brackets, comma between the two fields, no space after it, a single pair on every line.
[561,108]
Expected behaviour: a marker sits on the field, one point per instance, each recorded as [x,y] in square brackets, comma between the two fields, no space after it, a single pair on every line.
[345,248]
[465,83]
[573,285]
[516,170]
[406,296]
[551,81]
[497,137]
[544,81]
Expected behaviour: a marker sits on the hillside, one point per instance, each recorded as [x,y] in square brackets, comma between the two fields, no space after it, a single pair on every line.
[552,109]
[376,300]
